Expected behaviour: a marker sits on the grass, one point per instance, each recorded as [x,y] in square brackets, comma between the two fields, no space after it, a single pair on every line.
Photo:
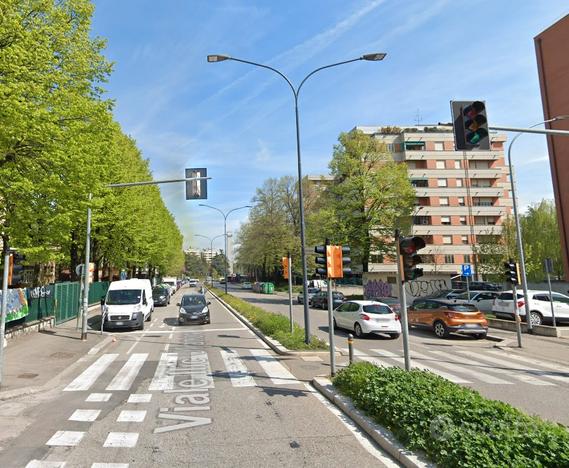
[284,288]
[274,325]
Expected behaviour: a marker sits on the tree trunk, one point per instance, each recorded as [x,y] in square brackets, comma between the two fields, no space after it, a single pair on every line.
[74,259]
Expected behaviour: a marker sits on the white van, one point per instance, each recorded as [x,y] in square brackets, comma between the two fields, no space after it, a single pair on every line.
[172,282]
[128,304]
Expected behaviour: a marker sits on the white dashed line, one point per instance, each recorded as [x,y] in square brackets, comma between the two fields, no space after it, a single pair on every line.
[236,369]
[98,397]
[125,377]
[163,379]
[91,374]
[278,374]
[121,439]
[85,415]
[45,464]
[131,416]
[109,465]
[139,398]
[65,438]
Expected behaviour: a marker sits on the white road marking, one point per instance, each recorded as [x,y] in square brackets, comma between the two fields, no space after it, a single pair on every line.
[121,439]
[312,358]
[166,347]
[170,336]
[201,330]
[278,374]
[561,370]
[98,397]
[91,374]
[135,343]
[85,415]
[164,380]
[125,377]
[131,416]
[263,344]
[504,367]
[418,365]
[139,398]
[109,465]
[154,321]
[162,325]
[65,438]
[488,378]
[45,464]
[238,372]
[364,441]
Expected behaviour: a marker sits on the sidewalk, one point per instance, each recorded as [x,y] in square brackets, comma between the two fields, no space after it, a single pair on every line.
[34,362]
[544,347]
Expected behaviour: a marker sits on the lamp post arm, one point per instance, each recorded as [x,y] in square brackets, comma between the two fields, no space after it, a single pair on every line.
[324,68]
[282,75]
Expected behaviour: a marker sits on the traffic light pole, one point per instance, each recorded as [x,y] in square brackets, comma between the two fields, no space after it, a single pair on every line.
[403,301]
[86,274]
[4,306]
[289,269]
[517,315]
[331,329]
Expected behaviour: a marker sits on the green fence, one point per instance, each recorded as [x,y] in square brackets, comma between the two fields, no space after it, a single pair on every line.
[66,301]
[96,291]
[41,302]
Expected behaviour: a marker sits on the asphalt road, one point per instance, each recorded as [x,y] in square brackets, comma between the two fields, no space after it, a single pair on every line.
[532,384]
[169,396]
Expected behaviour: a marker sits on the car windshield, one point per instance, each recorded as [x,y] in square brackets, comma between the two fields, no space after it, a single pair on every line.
[123,297]
[463,308]
[193,300]
[377,309]
[158,292]
[313,290]
[337,295]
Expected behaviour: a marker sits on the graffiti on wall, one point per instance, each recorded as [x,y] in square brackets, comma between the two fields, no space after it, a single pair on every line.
[427,287]
[17,305]
[377,288]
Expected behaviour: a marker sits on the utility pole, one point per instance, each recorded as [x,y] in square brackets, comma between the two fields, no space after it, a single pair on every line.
[4,304]
[403,303]
[86,273]
[289,274]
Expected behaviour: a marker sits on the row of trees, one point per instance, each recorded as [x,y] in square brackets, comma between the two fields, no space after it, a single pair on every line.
[59,143]
[196,266]
[370,195]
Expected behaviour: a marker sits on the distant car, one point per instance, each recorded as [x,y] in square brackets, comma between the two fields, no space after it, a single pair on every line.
[221,280]
[484,286]
[320,300]
[484,300]
[539,306]
[246,285]
[311,292]
[445,317]
[393,302]
[192,283]
[364,317]
[161,295]
[193,309]
[443,294]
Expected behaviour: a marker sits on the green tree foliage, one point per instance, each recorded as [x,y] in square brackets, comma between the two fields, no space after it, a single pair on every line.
[196,266]
[219,264]
[370,196]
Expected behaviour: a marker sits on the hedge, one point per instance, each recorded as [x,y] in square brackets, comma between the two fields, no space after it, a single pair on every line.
[454,425]
[274,325]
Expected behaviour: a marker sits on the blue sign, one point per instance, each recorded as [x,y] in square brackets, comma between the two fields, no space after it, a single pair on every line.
[466,270]
[123,275]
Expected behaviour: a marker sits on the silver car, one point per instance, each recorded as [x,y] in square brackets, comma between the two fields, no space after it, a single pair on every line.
[483,300]
[311,293]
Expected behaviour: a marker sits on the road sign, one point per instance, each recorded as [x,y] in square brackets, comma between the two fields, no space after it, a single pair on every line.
[548,263]
[196,189]
[466,270]
[123,275]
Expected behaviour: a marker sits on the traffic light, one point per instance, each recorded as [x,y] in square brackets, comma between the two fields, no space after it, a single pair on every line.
[284,262]
[409,259]
[470,125]
[346,261]
[321,260]
[512,272]
[15,269]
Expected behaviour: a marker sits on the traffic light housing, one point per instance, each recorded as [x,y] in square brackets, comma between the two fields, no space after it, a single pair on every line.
[409,258]
[15,269]
[470,124]
[321,260]
[284,262]
[512,272]
[334,260]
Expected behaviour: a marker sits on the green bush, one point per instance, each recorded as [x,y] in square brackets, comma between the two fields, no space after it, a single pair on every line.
[455,426]
[274,325]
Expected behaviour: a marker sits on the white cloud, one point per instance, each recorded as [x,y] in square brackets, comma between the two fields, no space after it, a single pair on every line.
[264,154]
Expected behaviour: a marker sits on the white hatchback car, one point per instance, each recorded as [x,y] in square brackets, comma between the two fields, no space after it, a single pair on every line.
[539,305]
[365,317]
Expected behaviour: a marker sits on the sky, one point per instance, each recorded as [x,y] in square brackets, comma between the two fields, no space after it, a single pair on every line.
[237,120]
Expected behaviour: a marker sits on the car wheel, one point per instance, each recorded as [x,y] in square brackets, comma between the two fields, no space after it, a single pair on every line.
[536,318]
[394,336]
[440,329]
[358,330]
[335,325]
[480,336]
[141,326]
[149,316]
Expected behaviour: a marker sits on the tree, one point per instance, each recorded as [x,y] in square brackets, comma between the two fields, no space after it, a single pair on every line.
[370,195]
[219,264]
[196,266]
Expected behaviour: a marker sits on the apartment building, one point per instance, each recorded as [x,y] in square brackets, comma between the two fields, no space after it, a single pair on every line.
[461,195]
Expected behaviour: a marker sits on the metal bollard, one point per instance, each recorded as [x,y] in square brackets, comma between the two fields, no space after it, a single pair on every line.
[351,347]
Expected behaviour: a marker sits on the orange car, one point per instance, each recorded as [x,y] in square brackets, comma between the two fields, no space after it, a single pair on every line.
[445,317]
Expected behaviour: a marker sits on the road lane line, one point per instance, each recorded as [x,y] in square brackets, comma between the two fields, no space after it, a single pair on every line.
[131,416]
[163,379]
[236,369]
[91,374]
[85,415]
[170,336]
[418,365]
[166,347]
[121,439]
[45,464]
[135,343]
[140,398]
[278,374]
[201,330]
[562,371]
[109,465]
[506,370]
[98,397]
[65,438]
[124,379]
[263,344]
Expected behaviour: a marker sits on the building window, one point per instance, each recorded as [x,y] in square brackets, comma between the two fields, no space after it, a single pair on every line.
[445,220]
[467,258]
[390,147]
[375,258]
[459,182]
[479,201]
[415,145]
[481,183]
[443,201]
[440,164]
[411,164]
[439,146]
[449,258]
[479,164]
[457,165]
[463,220]
[484,220]
[421,220]
[441,182]
[464,239]
[460,201]
[447,240]
[417,183]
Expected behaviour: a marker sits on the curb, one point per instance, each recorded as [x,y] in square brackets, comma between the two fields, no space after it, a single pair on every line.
[383,437]
[495,338]
[275,345]
[54,381]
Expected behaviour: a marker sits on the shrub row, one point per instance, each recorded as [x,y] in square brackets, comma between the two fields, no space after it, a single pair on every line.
[455,426]
[274,325]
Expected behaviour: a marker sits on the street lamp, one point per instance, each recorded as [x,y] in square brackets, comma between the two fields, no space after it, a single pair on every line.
[211,239]
[225,215]
[517,220]
[375,57]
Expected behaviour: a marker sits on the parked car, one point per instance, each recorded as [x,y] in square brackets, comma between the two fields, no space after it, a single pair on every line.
[172,283]
[161,295]
[364,317]
[193,309]
[246,285]
[311,292]
[128,304]
[192,283]
[484,300]
[478,285]
[539,305]
[320,299]
[221,280]
[445,317]
[443,294]
[392,302]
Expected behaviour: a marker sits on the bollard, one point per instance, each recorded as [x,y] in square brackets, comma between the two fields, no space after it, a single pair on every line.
[351,347]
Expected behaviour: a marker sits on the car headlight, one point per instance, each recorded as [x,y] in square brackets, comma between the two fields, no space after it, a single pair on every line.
[204,311]
[162,297]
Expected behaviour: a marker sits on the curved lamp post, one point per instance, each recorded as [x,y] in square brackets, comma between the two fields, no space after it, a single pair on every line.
[375,57]
[210,239]
[225,215]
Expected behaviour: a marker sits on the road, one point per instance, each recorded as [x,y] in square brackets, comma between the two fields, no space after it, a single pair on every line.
[206,395]
[534,385]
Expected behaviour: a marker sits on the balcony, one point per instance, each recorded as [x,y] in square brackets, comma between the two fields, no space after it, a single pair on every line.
[456,173]
[419,155]
[459,191]
[461,210]
[429,229]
